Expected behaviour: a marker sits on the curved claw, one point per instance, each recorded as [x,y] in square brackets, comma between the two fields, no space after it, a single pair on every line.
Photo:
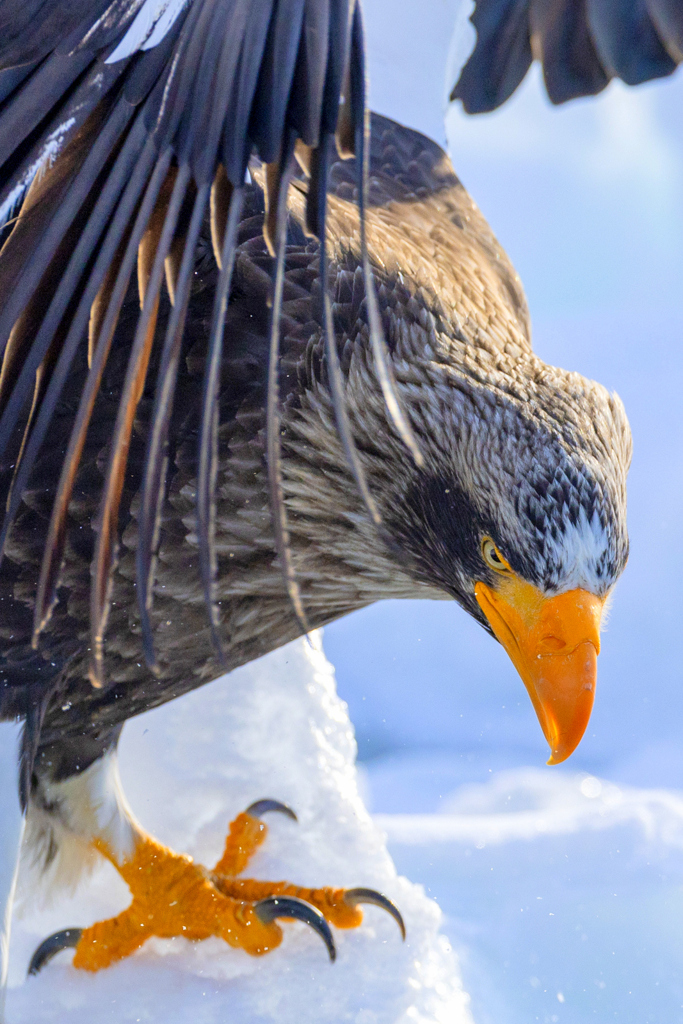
[355,896]
[291,906]
[67,939]
[260,807]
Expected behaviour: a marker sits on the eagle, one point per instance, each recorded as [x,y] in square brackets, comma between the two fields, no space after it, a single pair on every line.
[263,363]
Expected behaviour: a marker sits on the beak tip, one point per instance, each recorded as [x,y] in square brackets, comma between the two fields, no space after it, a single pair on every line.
[558,756]
[561,683]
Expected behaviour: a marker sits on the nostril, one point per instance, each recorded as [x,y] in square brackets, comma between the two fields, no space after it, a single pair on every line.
[552,644]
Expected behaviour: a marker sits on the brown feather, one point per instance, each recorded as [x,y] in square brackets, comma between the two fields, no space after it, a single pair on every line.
[221,191]
[98,310]
[152,253]
[107,320]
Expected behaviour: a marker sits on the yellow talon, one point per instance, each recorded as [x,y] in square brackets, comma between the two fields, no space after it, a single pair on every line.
[172,896]
[244,837]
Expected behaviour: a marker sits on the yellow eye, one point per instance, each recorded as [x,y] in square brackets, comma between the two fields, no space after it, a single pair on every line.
[493,557]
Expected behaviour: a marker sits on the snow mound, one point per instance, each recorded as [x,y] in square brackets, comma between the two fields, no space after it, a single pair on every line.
[562,892]
[274,728]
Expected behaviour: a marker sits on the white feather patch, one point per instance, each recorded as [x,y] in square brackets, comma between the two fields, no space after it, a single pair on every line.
[578,553]
[46,158]
[93,805]
[62,822]
[152,22]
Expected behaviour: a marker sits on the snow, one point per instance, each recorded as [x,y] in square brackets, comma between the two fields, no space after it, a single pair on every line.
[563,895]
[275,728]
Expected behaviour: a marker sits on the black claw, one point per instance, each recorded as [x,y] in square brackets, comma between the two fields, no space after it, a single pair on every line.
[68,939]
[355,896]
[291,906]
[260,807]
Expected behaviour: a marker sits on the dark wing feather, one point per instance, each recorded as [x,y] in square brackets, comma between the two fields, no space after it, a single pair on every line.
[627,40]
[667,16]
[227,223]
[153,249]
[581,45]
[30,31]
[564,45]
[155,463]
[501,57]
[412,181]
[115,271]
[99,121]
[277,501]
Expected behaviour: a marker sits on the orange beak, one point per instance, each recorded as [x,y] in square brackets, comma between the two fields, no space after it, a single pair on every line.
[554,643]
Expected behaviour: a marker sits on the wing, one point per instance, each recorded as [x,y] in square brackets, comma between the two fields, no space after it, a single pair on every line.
[436,262]
[423,226]
[581,45]
[121,125]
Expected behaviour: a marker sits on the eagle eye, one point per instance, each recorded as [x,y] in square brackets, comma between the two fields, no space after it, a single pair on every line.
[493,557]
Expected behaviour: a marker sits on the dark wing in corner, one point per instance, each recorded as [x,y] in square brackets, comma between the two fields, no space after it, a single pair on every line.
[121,123]
[581,45]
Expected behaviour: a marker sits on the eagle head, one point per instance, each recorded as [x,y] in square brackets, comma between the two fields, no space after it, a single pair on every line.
[519,513]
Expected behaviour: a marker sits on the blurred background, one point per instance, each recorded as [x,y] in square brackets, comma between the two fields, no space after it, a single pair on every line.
[587,199]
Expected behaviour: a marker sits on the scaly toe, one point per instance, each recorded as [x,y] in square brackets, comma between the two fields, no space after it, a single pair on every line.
[341,907]
[246,833]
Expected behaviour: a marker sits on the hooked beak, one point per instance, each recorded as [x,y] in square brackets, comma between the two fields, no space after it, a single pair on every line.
[554,643]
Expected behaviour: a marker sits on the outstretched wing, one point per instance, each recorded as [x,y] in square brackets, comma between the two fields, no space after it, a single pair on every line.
[434,254]
[121,123]
[581,45]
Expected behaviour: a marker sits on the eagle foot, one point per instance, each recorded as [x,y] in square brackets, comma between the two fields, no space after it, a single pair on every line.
[246,833]
[174,896]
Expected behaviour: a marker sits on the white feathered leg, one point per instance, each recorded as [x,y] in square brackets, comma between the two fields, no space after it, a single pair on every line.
[90,805]
[11,830]
[64,820]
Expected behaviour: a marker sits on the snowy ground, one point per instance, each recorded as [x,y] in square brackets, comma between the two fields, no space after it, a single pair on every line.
[275,728]
[562,894]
